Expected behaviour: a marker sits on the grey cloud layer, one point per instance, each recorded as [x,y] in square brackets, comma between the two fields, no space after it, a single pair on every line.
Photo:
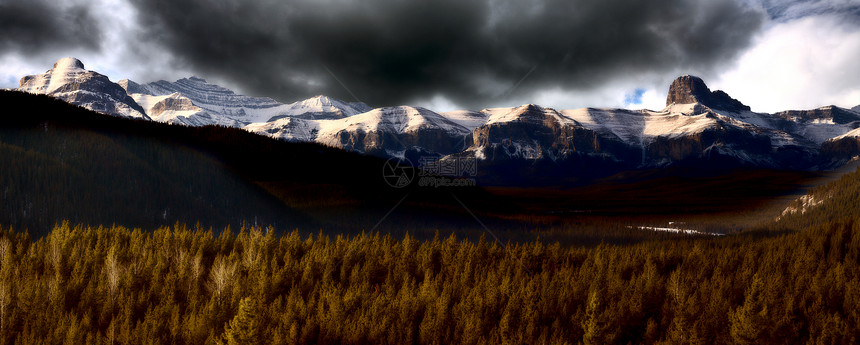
[36,26]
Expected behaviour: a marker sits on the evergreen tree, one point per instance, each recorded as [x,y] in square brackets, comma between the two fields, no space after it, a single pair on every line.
[244,329]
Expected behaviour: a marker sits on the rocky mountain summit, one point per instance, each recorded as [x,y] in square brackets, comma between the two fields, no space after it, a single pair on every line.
[70,81]
[688,89]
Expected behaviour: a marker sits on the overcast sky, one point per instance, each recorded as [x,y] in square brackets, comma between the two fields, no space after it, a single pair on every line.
[455,54]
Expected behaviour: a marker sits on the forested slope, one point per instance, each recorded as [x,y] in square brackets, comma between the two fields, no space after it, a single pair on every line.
[839,199]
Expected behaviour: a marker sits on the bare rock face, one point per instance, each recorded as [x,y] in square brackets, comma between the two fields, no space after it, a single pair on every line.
[533,132]
[690,89]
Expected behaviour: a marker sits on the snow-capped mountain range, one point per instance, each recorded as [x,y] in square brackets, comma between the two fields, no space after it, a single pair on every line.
[216,105]
[696,124]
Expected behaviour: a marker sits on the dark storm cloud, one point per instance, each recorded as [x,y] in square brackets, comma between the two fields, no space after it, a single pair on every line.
[35,26]
[473,52]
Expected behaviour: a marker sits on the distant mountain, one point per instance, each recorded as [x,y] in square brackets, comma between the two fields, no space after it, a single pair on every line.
[218,105]
[698,127]
[323,108]
[69,81]
[384,131]
[393,130]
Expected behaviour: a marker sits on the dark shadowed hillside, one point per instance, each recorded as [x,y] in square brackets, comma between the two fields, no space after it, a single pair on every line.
[64,162]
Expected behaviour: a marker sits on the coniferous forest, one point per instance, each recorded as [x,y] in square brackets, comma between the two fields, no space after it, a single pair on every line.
[188,286]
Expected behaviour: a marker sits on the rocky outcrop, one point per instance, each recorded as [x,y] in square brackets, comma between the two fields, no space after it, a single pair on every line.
[690,89]
[173,102]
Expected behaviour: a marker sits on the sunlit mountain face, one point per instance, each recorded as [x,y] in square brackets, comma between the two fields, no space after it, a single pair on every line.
[445,172]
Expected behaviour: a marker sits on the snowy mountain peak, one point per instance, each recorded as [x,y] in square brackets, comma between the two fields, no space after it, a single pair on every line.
[69,81]
[68,63]
[529,108]
[322,107]
[321,99]
[130,86]
[399,119]
[530,113]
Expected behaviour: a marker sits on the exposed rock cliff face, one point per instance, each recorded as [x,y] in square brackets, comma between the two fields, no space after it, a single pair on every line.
[689,89]
[69,81]
[534,132]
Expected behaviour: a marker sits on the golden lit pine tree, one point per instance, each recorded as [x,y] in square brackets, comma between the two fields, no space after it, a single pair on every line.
[244,328]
